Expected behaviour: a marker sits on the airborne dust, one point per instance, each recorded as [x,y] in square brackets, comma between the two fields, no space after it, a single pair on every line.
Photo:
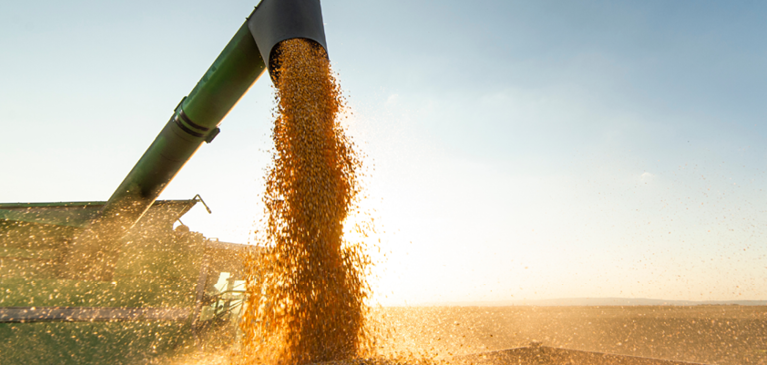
[308,288]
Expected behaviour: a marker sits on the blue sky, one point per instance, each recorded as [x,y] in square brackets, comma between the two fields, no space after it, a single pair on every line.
[522,150]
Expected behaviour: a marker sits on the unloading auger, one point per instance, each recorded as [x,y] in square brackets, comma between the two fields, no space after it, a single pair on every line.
[196,119]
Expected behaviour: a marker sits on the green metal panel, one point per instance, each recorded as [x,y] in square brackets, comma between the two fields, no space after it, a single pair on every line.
[77,343]
[76,214]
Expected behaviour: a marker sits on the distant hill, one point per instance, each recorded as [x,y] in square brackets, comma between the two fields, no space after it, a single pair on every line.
[600,302]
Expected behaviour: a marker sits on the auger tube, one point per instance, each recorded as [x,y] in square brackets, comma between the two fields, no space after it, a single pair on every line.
[92,254]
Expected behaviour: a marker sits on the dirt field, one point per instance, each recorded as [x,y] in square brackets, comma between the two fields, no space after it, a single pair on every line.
[707,334]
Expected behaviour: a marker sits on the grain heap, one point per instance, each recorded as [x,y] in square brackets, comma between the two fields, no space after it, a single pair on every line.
[307,290]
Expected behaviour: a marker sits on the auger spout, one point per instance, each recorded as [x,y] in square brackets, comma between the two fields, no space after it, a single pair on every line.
[195,120]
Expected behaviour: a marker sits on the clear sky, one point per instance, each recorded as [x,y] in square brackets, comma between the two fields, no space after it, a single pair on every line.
[522,150]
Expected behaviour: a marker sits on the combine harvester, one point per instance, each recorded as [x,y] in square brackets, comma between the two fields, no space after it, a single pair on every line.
[114,282]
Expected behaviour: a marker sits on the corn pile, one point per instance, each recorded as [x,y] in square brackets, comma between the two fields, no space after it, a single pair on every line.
[307,291]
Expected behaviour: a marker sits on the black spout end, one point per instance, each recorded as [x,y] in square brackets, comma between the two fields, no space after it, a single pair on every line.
[274,21]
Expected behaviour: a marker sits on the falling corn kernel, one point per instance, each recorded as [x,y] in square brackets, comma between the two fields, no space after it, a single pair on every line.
[307,289]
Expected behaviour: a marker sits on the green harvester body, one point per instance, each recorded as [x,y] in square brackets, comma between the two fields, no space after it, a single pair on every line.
[114,282]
